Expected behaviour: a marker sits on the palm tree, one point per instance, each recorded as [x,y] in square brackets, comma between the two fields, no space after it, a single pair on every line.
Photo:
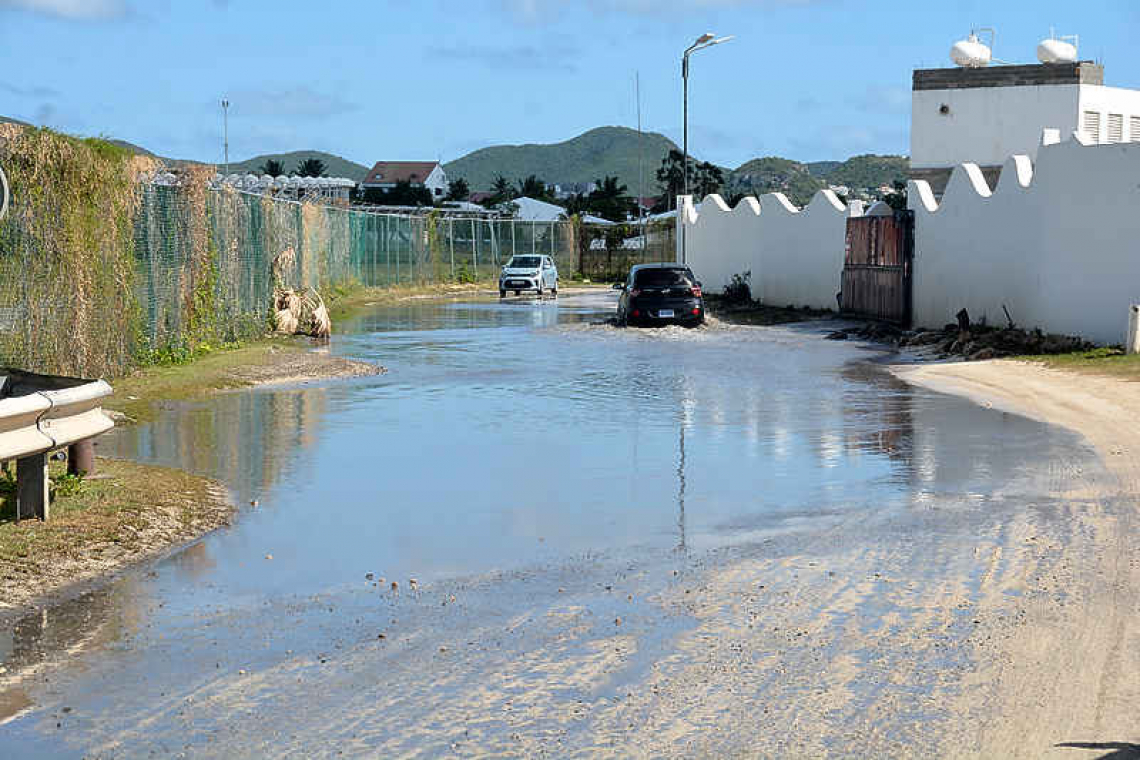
[533,187]
[273,168]
[311,167]
[610,199]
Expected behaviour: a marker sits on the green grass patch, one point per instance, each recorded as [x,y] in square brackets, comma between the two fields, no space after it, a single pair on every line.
[1099,361]
[203,371]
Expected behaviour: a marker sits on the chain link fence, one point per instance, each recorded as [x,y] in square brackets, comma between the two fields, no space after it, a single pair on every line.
[108,263]
[201,270]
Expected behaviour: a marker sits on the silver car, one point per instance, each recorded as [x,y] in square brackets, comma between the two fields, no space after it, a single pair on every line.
[529,272]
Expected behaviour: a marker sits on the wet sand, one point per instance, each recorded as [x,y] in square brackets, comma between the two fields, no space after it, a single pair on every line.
[1070,674]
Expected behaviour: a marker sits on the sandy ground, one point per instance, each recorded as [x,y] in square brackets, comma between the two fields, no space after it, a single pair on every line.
[1071,672]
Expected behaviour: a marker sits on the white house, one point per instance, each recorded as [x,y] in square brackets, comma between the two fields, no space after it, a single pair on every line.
[985,114]
[386,174]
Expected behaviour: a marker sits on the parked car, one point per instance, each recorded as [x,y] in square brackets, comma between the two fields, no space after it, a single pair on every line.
[530,272]
[657,294]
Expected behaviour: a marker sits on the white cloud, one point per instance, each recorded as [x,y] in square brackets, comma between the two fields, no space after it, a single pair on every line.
[79,10]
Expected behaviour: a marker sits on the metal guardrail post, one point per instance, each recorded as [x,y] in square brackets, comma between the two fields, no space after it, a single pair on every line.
[32,499]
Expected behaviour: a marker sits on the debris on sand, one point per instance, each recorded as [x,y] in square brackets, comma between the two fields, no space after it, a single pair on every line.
[301,313]
[973,342]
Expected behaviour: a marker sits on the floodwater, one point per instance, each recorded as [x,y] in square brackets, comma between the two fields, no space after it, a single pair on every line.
[556,487]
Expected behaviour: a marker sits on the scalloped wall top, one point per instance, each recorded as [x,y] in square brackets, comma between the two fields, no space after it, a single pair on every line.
[1019,173]
[770,202]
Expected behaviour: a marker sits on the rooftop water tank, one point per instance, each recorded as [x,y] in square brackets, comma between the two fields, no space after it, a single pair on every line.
[970,53]
[1056,51]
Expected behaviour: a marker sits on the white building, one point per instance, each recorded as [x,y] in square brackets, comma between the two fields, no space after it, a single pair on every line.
[386,174]
[984,115]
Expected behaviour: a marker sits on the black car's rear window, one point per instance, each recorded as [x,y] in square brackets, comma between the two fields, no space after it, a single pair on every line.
[663,278]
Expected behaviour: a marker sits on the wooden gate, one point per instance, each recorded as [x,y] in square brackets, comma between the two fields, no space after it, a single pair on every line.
[878,266]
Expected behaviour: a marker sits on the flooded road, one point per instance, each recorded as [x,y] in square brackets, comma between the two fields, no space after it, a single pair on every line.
[719,541]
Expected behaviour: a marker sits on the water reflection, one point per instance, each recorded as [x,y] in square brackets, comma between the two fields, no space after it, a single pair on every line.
[248,440]
[505,437]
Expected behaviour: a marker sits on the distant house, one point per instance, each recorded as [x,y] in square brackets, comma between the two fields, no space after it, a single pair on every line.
[386,174]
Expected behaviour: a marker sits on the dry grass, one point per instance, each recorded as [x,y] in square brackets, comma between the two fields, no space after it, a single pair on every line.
[126,513]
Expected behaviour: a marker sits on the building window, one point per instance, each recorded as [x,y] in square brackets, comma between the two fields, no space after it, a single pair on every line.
[1091,125]
[1115,127]
[1134,128]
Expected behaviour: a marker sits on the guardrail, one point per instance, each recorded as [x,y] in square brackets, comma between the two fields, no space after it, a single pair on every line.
[40,414]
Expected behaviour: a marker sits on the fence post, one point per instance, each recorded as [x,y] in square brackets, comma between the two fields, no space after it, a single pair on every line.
[512,237]
[1133,345]
[451,243]
[475,247]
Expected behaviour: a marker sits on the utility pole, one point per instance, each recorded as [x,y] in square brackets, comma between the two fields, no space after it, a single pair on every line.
[226,134]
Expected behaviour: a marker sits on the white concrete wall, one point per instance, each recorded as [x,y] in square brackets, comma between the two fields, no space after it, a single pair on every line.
[1058,243]
[985,125]
[795,256]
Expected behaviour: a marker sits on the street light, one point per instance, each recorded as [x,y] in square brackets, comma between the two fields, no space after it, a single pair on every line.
[226,133]
[708,39]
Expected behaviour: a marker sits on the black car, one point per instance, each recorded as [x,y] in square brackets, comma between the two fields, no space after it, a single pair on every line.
[658,294]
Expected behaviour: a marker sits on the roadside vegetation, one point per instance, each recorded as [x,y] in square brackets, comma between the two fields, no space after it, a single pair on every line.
[1098,361]
[123,514]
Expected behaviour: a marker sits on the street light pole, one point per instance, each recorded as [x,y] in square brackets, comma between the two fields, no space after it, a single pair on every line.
[226,133]
[708,39]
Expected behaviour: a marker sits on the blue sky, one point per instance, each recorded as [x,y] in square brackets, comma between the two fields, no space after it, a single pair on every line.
[805,79]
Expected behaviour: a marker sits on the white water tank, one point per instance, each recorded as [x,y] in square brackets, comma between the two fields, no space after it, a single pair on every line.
[1056,51]
[970,53]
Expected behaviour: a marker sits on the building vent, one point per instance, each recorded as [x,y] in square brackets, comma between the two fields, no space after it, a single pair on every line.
[1115,127]
[1091,125]
[1134,129]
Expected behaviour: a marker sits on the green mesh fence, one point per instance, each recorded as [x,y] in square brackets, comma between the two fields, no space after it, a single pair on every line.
[201,270]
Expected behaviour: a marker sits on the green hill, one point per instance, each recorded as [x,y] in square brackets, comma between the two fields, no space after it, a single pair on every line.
[335,166]
[799,182]
[775,175]
[822,168]
[870,171]
[600,152]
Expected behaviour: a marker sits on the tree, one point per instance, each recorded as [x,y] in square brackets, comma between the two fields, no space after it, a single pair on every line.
[610,200]
[533,187]
[458,190]
[502,192]
[311,167]
[273,168]
[704,177]
[897,198]
[403,194]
